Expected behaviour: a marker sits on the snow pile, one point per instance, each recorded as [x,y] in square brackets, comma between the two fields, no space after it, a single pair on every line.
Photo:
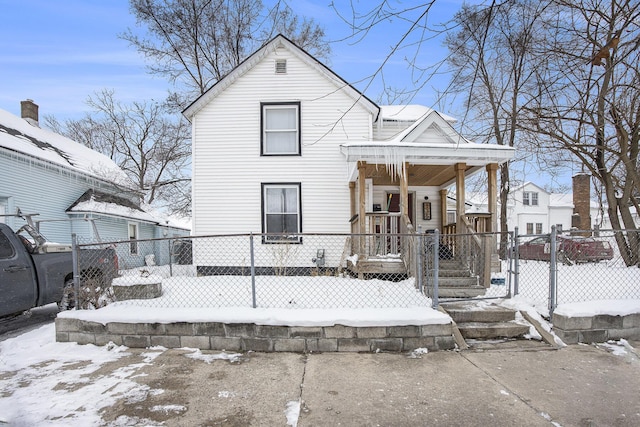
[599,307]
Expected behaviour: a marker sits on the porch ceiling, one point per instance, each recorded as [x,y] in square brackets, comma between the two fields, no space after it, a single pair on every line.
[419,175]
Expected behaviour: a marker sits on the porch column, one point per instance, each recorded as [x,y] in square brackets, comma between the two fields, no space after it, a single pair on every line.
[460,196]
[492,175]
[443,209]
[404,191]
[352,205]
[362,214]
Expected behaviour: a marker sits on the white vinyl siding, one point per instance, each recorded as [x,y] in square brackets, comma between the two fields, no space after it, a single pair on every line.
[228,168]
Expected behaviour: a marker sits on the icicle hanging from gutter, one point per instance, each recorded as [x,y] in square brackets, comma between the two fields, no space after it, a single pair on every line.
[394,158]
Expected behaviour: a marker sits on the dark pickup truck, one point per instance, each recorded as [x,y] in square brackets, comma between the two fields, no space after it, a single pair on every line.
[35,272]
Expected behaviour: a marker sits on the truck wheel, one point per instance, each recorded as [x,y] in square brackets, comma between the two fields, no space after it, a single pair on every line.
[68,300]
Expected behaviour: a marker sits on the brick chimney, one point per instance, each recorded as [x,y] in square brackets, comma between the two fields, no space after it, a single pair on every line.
[581,218]
[29,112]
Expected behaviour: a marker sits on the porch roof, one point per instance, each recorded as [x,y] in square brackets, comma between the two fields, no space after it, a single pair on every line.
[429,141]
[392,153]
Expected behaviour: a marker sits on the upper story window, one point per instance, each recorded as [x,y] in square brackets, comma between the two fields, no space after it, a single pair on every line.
[280,129]
[530,198]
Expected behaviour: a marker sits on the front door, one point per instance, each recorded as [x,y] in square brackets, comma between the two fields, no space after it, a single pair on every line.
[394,204]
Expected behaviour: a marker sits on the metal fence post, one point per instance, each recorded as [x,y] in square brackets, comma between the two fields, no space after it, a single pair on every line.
[515,255]
[170,259]
[253,272]
[553,271]
[436,266]
[75,257]
[419,258]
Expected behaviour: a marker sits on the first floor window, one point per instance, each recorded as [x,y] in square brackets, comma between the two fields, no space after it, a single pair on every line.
[133,237]
[538,228]
[281,212]
[529,228]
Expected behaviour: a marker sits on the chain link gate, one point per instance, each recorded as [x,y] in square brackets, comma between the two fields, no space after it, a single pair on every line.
[459,267]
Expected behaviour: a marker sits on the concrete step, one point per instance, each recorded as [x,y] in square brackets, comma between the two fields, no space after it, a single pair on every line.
[463,312]
[480,330]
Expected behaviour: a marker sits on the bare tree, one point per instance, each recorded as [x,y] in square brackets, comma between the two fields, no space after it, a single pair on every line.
[150,145]
[588,103]
[195,43]
[493,59]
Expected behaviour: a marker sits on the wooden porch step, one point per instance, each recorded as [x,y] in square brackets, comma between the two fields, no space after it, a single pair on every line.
[457,282]
[460,291]
[454,273]
[480,330]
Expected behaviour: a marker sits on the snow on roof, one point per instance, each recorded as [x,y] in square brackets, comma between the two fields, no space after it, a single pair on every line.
[16,134]
[409,113]
[98,202]
[561,200]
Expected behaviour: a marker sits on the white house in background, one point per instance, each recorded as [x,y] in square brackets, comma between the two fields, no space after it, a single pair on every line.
[284,145]
[534,210]
[65,184]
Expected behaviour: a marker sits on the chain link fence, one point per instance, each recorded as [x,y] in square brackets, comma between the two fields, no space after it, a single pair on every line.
[560,268]
[268,271]
[317,271]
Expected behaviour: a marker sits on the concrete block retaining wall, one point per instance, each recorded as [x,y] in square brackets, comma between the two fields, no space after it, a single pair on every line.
[598,328]
[251,337]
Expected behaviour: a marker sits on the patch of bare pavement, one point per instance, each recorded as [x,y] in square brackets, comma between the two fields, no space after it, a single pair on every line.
[580,385]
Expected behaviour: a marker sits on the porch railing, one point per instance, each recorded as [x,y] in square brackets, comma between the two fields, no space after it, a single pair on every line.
[476,251]
[387,234]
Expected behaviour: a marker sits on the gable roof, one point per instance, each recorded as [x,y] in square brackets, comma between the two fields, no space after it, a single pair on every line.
[278,41]
[528,184]
[18,135]
[409,113]
[98,202]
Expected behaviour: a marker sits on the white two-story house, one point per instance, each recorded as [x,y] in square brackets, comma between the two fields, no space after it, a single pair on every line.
[282,146]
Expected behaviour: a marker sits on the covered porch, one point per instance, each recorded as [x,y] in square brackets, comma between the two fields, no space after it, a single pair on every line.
[398,190]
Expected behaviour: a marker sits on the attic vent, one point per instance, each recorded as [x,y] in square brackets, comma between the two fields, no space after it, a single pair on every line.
[281,66]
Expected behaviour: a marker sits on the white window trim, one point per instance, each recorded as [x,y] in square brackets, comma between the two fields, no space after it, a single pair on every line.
[133,246]
[263,131]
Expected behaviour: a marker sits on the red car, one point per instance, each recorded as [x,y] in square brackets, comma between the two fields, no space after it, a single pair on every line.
[570,249]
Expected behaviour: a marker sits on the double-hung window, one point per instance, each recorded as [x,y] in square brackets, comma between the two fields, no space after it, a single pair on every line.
[281,218]
[280,129]
[530,198]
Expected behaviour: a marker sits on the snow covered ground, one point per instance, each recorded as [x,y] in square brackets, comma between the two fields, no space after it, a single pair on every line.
[43,382]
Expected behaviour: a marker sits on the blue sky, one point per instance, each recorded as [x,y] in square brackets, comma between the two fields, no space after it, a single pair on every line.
[58,52]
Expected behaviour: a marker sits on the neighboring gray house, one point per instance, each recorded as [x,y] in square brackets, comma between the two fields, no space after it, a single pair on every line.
[65,183]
